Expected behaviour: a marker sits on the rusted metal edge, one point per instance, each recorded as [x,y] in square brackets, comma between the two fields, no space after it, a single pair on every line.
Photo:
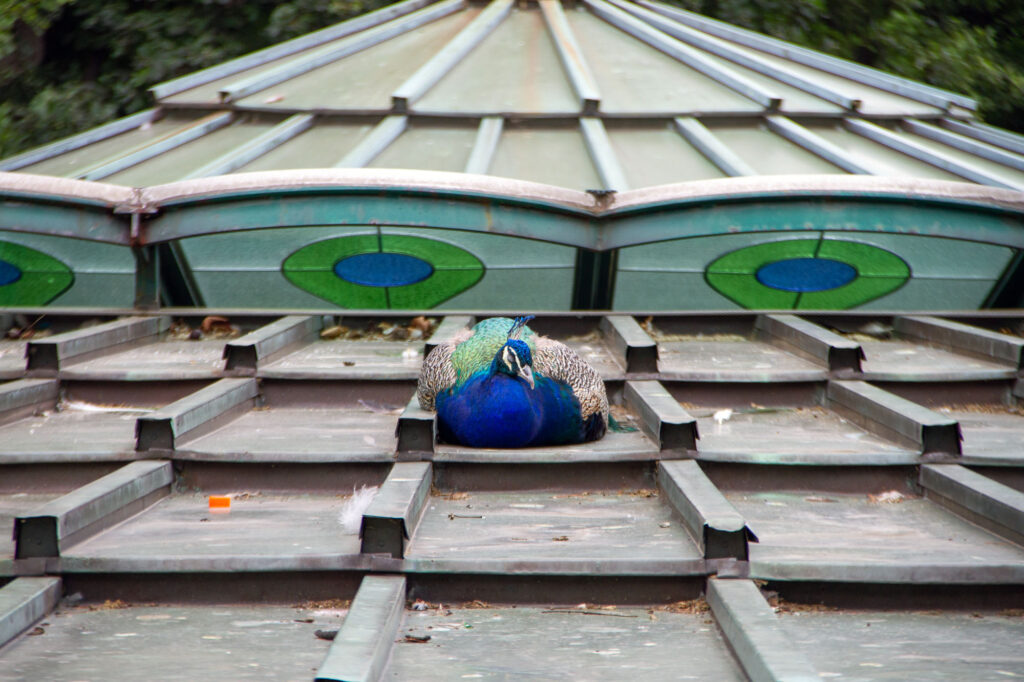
[245,353]
[47,355]
[719,530]
[893,417]
[449,327]
[391,519]
[963,337]
[417,430]
[754,633]
[163,428]
[49,528]
[631,345]
[988,503]
[23,602]
[362,646]
[837,353]
[661,416]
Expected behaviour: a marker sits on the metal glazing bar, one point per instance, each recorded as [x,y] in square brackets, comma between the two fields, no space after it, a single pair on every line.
[839,67]
[964,144]
[711,147]
[569,52]
[50,353]
[246,353]
[986,133]
[68,144]
[163,428]
[286,48]
[630,344]
[386,132]
[201,127]
[602,154]
[726,50]
[450,55]
[391,519]
[907,146]
[487,137]
[963,337]
[23,602]
[752,629]
[816,144]
[333,52]
[988,503]
[255,148]
[663,419]
[362,646]
[693,58]
[809,340]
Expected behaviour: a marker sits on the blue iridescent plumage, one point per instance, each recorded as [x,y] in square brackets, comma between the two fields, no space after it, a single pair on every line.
[503,386]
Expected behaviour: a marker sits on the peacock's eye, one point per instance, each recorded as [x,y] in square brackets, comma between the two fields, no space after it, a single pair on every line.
[383,271]
[29,277]
[807,273]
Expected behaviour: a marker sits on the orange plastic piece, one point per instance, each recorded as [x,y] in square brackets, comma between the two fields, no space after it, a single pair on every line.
[220,503]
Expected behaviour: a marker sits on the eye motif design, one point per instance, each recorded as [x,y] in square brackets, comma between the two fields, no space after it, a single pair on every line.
[807,274]
[383,271]
[29,277]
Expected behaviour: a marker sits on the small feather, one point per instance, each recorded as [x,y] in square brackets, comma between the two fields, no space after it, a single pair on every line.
[351,514]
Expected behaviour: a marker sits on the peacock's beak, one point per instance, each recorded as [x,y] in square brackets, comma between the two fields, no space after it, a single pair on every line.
[526,372]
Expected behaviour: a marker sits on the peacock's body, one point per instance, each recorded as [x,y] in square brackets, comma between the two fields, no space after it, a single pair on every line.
[500,385]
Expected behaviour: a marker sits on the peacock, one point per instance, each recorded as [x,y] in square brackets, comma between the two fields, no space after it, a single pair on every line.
[500,385]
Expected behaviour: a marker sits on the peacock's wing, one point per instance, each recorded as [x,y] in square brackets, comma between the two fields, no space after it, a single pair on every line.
[438,372]
[561,363]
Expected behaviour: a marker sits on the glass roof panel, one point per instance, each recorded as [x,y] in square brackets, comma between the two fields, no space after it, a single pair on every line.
[896,164]
[768,153]
[177,163]
[552,155]
[656,155]
[321,146]
[430,147]
[70,163]
[366,79]
[634,77]
[515,69]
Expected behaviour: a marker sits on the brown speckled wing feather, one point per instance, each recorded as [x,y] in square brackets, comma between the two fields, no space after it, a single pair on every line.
[561,363]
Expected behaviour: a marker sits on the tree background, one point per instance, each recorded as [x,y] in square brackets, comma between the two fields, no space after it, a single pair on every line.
[69,65]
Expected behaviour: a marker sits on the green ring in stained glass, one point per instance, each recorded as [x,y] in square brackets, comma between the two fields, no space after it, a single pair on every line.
[29,277]
[383,271]
[807,274]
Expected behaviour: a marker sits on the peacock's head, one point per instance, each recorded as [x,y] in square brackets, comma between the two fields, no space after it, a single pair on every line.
[515,358]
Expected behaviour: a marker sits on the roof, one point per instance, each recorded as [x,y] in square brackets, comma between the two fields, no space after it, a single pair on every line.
[777,490]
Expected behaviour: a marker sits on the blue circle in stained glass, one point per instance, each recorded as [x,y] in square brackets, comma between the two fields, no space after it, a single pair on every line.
[383,269]
[9,273]
[806,274]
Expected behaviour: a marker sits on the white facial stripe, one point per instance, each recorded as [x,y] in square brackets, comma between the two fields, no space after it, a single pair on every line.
[506,353]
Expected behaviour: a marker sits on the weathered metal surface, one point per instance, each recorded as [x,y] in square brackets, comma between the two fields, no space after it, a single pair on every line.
[391,360]
[963,337]
[753,632]
[12,359]
[741,361]
[70,435]
[601,152]
[992,434]
[23,602]
[246,353]
[255,148]
[710,146]
[52,527]
[717,527]
[993,505]
[361,648]
[50,353]
[163,428]
[391,519]
[164,359]
[17,395]
[661,417]
[895,360]
[630,344]
[417,429]
[834,351]
[796,133]
[485,144]
[386,132]
[569,52]
[891,416]
[557,643]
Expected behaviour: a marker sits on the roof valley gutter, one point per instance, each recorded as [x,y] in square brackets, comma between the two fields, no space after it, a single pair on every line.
[340,30]
[386,132]
[603,155]
[571,56]
[486,144]
[729,51]
[88,137]
[704,141]
[198,129]
[333,52]
[838,67]
[684,53]
[910,148]
[444,60]
[255,148]
[797,134]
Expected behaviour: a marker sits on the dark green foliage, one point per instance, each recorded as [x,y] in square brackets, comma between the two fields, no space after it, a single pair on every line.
[68,65]
[974,47]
